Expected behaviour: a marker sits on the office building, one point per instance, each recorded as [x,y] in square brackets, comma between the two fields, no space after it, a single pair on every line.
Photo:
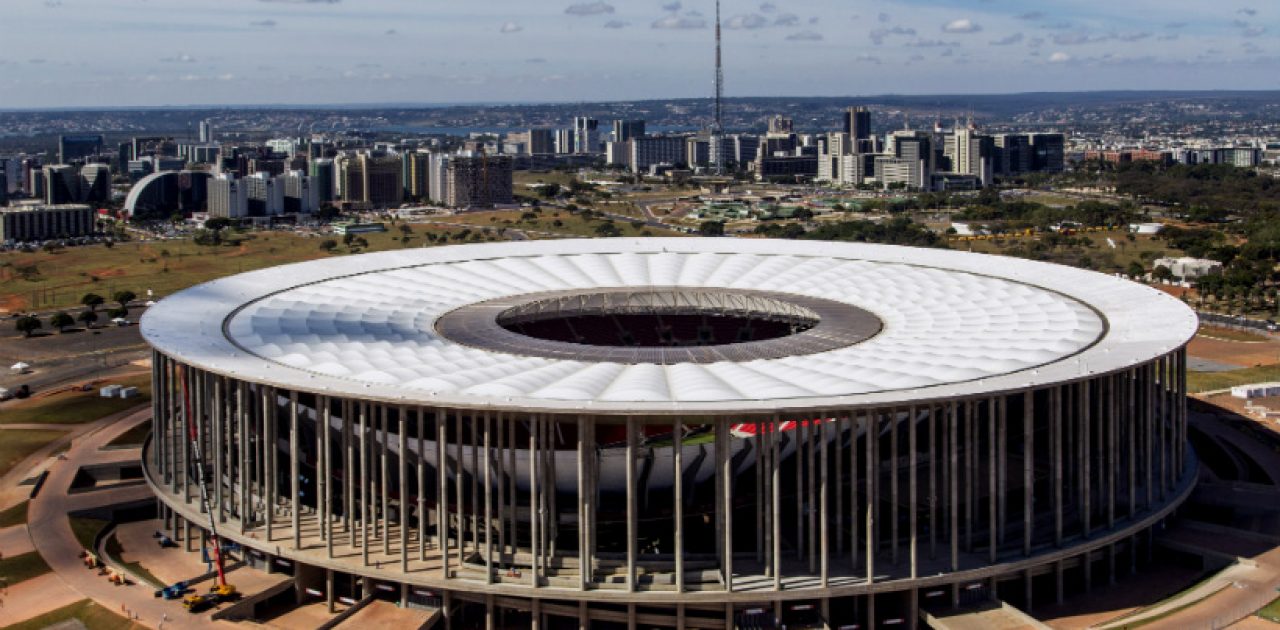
[479,182]
[1048,152]
[657,150]
[228,197]
[586,135]
[697,151]
[78,147]
[265,195]
[542,142]
[372,179]
[159,196]
[301,195]
[857,125]
[624,130]
[780,125]
[64,184]
[1013,154]
[416,179]
[324,177]
[41,223]
[206,132]
[438,173]
[564,141]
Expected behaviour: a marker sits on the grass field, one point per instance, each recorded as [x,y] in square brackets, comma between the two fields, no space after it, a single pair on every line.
[86,529]
[93,616]
[16,515]
[554,220]
[62,278]
[1142,249]
[1198,382]
[22,567]
[16,446]
[77,407]
[1271,612]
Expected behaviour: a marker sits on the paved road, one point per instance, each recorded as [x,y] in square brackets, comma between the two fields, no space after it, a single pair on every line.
[52,536]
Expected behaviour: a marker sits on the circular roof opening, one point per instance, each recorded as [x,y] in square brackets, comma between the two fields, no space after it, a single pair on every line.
[664,325]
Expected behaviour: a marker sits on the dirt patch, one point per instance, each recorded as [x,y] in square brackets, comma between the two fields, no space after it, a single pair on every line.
[12,304]
[1235,352]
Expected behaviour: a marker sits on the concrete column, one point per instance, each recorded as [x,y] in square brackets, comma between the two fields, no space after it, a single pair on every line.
[268,450]
[993,544]
[476,427]
[500,460]
[839,431]
[760,465]
[442,492]
[912,493]
[1055,433]
[326,459]
[1028,462]
[328,588]
[459,472]
[893,486]
[1002,474]
[932,420]
[953,499]
[422,485]
[873,496]
[1086,456]
[242,422]
[404,489]
[535,512]
[295,503]
[775,497]
[384,477]
[800,437]
[824,542]
[855,507]
[677,440]
[349,465]
[362,477]
[488,499]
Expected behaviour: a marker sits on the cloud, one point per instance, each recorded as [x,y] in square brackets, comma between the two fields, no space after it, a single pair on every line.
[868,59]
[1248,11]
[747,22]
[680,23]
[1031,16]
[1254,31]
[787,19]
[617,24]
[535,60]
[931,43]
[1015,38]
[961,26]
[878,36]
[1175,25]
[589,8]
[1078,39]
[390,31]
[301,1]
[768,7]
[672,6]
[264,23]
[884,18]
[510,27]
[1059,57]
[805,36]
[1134,37]
[182,58]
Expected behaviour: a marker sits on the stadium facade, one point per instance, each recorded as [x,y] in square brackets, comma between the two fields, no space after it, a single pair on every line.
[698,433]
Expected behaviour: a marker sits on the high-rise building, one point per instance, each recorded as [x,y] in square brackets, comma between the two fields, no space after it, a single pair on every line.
[780,125]
[228,197]
[78,147]
[65,184]
[564,141]
[656,151]
[624,130]
[1013,154]
[1048,152]
[416,179]
[857,124]
[479,182]
[372,179]
[586,135]
[206,132]
[974,154]
[542,141]
[266,195]
[300,193]
[910,160]
[697,151]
[324,179]
[438,186]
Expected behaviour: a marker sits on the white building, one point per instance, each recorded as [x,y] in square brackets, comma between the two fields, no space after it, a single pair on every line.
[1190,268]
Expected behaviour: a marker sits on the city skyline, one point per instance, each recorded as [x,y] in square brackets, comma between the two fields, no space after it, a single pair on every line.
[301,52]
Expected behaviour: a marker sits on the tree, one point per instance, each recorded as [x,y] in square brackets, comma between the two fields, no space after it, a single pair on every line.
[118,313]
[92,300]
[27,325]
[88,318]
[711,228]
[217,223]
[123,298]
[1162,273]
[1136,270]
[328,245]
[61,320]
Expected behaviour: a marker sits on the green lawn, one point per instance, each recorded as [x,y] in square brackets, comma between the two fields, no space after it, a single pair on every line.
[86,529]
[132,437]
[1198,382]
[16,446]
[1271,612]
[16,515]
[93,616]
[78,407]
[22,567]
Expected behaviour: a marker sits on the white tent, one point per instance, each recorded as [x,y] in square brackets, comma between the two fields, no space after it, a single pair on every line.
[20,367]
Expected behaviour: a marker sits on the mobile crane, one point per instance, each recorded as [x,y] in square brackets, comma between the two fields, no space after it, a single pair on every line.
[221,591]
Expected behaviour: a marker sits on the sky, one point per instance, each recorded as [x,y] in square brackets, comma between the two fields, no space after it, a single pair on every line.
[84,53]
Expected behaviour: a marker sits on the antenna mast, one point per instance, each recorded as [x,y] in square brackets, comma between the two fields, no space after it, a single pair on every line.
[717,127]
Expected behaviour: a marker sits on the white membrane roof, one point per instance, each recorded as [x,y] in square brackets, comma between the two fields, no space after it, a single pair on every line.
[955,324]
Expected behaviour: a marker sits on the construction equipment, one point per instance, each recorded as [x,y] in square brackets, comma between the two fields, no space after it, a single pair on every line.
[173,591]
[221,591]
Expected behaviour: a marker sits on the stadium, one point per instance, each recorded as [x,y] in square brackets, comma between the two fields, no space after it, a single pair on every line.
[700,433]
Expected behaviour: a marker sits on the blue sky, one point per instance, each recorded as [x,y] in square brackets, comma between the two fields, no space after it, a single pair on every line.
[181,52]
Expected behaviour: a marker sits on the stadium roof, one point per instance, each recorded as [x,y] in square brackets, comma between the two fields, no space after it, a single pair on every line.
[952,325]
